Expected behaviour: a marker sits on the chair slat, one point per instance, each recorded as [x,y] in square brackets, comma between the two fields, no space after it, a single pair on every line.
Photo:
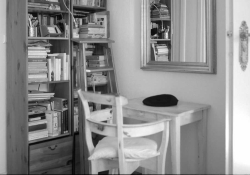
[141,130]
[104,129]
[101,98]
[102,115]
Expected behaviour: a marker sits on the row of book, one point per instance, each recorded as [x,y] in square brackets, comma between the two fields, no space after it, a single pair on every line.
[42,4]
[58,67]
[49,118]
[161,52]
[91,30]
[43,66]
[35,95]
[159,11]
[96,61]
[37,64]
[95,3]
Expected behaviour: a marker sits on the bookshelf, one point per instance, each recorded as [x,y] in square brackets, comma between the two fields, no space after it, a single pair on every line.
[161,28]
[52,153]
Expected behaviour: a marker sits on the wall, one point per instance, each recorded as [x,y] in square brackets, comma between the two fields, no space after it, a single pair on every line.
[3,87]
[200,88]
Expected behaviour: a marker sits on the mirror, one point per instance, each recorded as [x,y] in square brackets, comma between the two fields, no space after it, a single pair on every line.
[178,35]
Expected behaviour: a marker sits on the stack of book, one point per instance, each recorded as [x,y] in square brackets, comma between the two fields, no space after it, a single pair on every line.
[42,4]
[91,30]
[161,52]
[97,78]
[81,16]
[97,3]
[34,95]
[159,11]
[89,49]
[58,119]
[37,124]
[58,67]
[96,61]
[37,64]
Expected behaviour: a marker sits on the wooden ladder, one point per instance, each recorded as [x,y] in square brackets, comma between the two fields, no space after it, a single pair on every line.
[82,68]
[81,74]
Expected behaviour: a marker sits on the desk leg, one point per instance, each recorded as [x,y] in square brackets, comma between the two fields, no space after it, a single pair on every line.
[175,139]
[202,142]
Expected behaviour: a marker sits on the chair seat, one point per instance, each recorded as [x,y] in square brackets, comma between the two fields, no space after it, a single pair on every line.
[134,148]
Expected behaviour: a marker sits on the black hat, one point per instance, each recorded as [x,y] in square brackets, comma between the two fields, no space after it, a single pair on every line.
[162,100]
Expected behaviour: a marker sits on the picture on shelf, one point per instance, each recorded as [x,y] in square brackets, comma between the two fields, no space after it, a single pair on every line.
[102,18]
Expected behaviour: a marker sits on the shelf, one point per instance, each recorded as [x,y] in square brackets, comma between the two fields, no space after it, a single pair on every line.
[38,10]
[99,69]
[49,82]
[48,138]
[92,40]
[47,38]
[98,84]
[89,8]
[152,40]
[160,19]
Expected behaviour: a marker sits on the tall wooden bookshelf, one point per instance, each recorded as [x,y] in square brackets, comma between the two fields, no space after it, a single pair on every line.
[51,155]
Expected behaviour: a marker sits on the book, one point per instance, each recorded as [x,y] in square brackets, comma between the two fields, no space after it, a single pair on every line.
[37,125]
[64,64]
[51,67]
[95,57]
[38,134]
[53,122]
[37,60]
[64,120]
[38,113]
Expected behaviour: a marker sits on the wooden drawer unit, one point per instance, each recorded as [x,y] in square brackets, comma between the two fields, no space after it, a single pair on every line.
[52,157]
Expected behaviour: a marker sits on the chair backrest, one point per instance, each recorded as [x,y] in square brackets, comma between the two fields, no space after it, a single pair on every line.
[94,121]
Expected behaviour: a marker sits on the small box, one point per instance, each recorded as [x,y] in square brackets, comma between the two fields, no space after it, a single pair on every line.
[59,103]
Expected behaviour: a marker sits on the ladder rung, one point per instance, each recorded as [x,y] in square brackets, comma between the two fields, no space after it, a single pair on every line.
[99,69]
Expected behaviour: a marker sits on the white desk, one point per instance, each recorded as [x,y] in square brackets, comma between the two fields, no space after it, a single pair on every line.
[182,114]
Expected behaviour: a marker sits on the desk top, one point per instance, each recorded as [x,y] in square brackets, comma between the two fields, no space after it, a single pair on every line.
[182,108]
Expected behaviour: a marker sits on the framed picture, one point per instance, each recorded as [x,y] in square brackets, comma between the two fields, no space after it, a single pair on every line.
[102,18]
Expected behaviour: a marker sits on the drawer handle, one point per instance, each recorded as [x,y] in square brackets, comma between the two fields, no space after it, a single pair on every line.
[53,148]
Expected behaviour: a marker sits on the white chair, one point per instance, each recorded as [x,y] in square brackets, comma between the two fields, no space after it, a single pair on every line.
[124,147]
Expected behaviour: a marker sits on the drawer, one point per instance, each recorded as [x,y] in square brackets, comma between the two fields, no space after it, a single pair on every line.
[60,170]
[50,155]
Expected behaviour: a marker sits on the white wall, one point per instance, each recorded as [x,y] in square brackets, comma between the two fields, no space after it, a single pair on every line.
[2,87]
[209,89]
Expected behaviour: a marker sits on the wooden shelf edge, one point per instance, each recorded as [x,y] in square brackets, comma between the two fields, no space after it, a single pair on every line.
[30,9]
[47,38]
[48,138]
[85,7]
[102,69]
[92,40]
[49,82]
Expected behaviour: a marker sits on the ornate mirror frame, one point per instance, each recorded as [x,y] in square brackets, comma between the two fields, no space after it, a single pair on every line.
[209,67]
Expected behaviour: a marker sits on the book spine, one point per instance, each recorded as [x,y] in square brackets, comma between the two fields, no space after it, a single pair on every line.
[62,124]
[38,127]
